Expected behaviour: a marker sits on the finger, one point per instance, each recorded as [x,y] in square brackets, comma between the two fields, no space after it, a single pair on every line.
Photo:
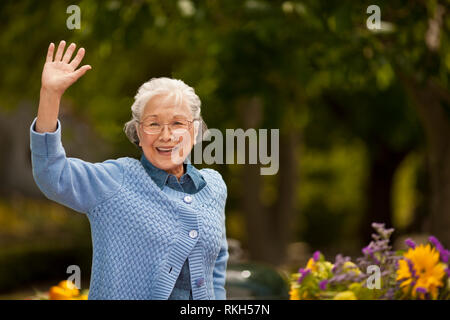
[60,51]
[51,49]
[69,53]
[81,71]
[77,60]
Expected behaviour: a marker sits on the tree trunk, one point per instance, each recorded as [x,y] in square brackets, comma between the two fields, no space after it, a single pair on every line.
[256,218]
[269,229]
[384,163]
[282,214]
[429,99]
[258,234]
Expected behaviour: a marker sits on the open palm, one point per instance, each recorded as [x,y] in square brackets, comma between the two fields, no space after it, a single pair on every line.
[59,73]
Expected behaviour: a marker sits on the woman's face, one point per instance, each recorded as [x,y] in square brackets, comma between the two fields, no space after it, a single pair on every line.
[169,148]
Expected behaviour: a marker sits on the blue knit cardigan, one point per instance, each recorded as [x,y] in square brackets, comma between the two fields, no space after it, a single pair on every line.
[140,236]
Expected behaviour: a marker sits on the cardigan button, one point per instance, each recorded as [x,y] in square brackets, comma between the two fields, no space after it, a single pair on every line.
[193,234]
[187,199]
[200,282]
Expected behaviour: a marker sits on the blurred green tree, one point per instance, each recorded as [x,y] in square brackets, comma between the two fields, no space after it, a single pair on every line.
[293,65]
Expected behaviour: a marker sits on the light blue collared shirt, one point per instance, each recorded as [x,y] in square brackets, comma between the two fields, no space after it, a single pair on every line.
[190,182]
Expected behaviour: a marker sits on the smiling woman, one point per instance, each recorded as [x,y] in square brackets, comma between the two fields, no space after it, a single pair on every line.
[158,224]
[160,102]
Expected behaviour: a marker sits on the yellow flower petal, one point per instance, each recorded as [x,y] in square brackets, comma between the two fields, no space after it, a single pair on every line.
[428,271]
[345,295]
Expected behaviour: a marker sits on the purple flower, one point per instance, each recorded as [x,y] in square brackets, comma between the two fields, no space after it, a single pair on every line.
[367,250]
[390,294]
[372,247]
[377,225]
[421,290]
[339,263]
[443,253]
[382,231]
[410,243]
[323,284]
[411,268]
[436,242]
[448,272]
[379,252]
[303,274]
[316,256]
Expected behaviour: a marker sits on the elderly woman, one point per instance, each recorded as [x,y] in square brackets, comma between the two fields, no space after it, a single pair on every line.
[158,224]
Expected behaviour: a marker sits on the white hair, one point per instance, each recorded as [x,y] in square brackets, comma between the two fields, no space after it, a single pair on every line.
[170,88]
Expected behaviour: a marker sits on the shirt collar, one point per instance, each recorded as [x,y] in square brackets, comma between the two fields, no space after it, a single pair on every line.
[160,176]
[194,174]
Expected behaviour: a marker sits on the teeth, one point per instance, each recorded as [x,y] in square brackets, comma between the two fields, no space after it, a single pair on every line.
[165,149]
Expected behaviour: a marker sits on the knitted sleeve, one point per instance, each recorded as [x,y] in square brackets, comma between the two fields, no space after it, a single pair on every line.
[220,266]
[72,182]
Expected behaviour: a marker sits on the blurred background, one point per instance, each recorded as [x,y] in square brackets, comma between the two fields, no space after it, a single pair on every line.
[364,119]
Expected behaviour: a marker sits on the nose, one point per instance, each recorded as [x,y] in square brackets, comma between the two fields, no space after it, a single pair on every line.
[166,134]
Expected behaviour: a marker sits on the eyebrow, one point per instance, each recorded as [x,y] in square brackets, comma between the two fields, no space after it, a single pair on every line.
[175,116]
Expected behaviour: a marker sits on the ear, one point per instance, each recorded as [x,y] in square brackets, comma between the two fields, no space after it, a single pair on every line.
[197,125]
[138,133]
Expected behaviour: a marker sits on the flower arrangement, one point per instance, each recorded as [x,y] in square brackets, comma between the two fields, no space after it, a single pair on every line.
[65,290]
[421,272]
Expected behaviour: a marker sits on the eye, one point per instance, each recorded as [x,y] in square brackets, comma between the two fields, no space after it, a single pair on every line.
[153,124]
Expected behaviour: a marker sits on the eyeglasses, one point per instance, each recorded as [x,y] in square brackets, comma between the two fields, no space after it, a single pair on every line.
[175,126]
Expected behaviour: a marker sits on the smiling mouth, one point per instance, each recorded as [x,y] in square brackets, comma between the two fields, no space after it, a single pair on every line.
[166,151]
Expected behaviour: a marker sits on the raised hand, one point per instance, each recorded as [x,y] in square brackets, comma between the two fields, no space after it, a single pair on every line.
[59,72]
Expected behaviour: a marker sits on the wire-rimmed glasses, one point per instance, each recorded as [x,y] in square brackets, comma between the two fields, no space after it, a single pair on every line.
[175,126]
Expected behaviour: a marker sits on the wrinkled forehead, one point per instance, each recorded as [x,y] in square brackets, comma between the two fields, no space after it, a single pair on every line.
[166,106]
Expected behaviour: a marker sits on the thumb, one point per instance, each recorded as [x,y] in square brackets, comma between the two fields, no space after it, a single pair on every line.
[81,71]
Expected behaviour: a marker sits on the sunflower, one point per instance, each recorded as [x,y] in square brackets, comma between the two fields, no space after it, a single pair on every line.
[421,271]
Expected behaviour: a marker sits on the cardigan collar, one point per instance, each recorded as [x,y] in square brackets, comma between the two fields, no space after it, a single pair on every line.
[160,176]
